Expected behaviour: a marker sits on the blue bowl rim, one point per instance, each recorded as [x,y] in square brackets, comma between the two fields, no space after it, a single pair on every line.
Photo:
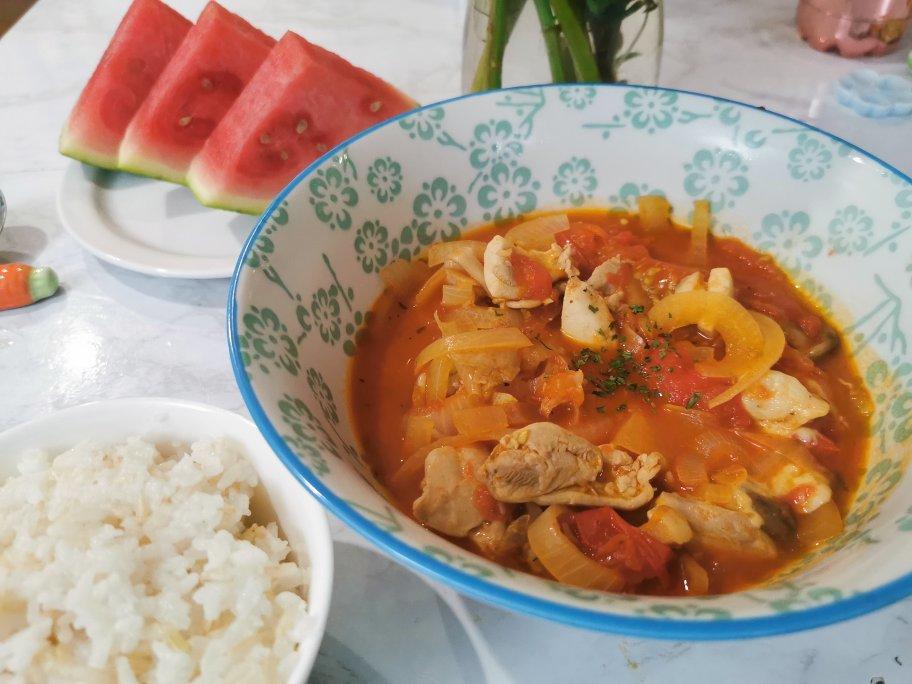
[478,588]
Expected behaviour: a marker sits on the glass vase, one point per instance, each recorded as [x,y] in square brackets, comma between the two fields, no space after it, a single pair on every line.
[521,42]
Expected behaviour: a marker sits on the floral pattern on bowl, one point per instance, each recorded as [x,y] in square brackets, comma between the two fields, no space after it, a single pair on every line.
[836,218]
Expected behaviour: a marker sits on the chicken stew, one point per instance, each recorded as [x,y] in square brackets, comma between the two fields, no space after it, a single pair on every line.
[611,400]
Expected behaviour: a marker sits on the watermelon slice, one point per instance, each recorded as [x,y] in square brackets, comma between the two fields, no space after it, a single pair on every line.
[302,101]
[147,37]
[209,70]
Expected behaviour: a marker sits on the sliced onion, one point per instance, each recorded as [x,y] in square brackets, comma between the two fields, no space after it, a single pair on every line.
[563,559]
[478,318]
[636,435]
[412,468]
[404,277]
[419,430]
[773,345]
[818,526]
[473,341]
[714,311]
[696,579]
[699,234]
[538,233]
[438,378]
[457,296]
[721,447]
[431,286]
[655,212]
[691,469]
[713,493]
[443,252]
[733,475]
[481,422]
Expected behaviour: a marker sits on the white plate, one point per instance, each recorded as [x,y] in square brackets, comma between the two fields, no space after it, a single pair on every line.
[149,226]
[279,496]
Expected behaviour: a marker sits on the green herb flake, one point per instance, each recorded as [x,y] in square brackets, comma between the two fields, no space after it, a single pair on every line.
[593,308]
[693,401]
[637,308]
[585,356]
[600,409]
[621,408]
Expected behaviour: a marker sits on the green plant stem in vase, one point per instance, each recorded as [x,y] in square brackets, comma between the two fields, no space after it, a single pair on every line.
[583,41]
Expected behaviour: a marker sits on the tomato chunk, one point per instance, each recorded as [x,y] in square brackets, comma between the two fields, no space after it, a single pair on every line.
[489,507]
[587,242]
[606,537]
[532,277]
[677,381]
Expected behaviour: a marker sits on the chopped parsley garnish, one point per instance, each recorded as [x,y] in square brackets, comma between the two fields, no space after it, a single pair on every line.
[637,308]
[600,409]
[621,408]
[693,401]
[585,356]
[623,372]
[593,308]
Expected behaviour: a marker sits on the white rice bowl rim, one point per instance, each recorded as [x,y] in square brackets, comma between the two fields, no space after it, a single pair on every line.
[302,521]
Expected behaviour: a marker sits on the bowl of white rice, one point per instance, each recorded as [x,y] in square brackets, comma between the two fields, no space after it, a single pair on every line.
[156,540]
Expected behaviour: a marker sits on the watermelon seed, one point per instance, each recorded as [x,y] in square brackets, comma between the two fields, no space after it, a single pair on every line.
[375,106]
[207,84]
[321,147]
[265,139]
[184,121]
[301,127]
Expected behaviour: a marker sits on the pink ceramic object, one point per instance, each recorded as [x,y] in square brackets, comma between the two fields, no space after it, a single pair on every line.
[854,28]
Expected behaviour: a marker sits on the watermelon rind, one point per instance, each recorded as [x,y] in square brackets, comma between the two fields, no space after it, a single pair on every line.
[207,195]
[70,149]
[133,161]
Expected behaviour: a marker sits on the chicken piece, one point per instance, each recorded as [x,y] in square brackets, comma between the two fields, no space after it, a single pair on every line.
[447,501]
[499,279]
[624,483]
[565,261]
[805,489]
[538,459]
[555,259]
[781,404]
[667,525]
[498,271]
[600,275]
[545,464]
[559,386]
[585,317]
[483,372]
[720,528]
[497,539]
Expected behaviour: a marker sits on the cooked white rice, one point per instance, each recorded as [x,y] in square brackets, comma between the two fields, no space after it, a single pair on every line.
[120,563]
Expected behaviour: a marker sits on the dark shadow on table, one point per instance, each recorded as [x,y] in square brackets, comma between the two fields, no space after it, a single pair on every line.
[24,242]
[387,625]
[123,286]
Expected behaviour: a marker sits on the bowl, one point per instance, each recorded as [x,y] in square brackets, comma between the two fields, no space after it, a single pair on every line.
[836,218]
[278,498]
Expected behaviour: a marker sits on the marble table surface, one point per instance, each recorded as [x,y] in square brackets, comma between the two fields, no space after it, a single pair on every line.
[112,333]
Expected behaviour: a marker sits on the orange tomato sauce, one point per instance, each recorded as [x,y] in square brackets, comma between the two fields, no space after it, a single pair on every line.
[382,378]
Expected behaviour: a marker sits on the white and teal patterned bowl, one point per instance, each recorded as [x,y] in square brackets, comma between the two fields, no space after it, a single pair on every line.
[838,219]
